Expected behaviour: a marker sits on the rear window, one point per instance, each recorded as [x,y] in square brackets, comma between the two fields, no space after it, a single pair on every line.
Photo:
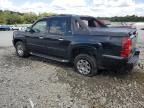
[58,25]
[92,22]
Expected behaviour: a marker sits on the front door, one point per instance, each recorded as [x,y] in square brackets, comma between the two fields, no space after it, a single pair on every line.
[35,37]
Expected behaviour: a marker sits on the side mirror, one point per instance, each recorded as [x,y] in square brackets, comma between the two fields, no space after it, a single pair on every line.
[28,29]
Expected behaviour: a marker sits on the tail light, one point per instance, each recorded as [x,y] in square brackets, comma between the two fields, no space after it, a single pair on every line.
[126,47]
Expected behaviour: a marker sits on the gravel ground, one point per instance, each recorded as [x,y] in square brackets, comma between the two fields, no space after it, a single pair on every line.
[39,83]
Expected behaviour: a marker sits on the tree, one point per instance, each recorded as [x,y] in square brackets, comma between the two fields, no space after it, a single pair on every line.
[11,17]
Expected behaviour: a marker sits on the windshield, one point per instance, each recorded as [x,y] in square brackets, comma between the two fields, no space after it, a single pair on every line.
[92,22]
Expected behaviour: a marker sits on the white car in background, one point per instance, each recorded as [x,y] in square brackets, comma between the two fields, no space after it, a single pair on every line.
[14,28]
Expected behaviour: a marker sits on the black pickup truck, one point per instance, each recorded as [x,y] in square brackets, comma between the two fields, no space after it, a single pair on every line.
[82,40]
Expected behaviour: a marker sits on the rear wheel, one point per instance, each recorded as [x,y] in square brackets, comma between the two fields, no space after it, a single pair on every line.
[85,64]
[21,50]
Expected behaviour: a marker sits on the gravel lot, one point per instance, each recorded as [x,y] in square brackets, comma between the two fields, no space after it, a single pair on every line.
[39,83]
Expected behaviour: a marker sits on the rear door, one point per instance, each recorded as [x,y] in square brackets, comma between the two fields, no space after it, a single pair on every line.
[59,35]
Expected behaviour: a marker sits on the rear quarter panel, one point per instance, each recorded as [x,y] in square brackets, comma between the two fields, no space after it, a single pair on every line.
[110,45]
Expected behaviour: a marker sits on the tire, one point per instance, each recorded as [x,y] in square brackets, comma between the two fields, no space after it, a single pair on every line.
[85,65]
[21,50]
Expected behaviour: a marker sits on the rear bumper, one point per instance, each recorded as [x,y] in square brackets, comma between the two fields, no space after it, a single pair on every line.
[116,63]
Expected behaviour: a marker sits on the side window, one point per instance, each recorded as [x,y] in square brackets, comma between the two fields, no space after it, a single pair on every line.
[78,26]
[58,26]
[40,26]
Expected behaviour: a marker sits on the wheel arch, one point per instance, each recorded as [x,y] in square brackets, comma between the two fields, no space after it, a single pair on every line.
[17,40]
[82,49]
[95,51]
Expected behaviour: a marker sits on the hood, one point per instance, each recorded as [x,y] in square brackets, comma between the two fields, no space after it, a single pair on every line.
[111,31]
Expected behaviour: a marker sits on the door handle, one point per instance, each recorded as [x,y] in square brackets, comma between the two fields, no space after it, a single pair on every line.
[26,35]
[60,39]
[41,37]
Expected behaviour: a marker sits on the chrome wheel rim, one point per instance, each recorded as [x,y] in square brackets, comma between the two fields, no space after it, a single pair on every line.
[20,50]
[83,67]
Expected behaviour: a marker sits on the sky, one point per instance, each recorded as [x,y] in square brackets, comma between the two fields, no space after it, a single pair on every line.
[101,8]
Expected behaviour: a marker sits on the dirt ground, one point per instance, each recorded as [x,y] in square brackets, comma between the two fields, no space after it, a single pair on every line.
[39,83]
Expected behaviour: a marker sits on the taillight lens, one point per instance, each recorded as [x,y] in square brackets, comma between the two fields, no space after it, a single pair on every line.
[126,47]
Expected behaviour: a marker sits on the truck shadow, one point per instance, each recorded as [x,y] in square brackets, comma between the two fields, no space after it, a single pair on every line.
[121,74]
[65,71]
[51,62]
[69,73]
[69,66]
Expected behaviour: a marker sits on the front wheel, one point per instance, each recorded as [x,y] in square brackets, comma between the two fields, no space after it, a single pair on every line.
[85,65]
[21,50]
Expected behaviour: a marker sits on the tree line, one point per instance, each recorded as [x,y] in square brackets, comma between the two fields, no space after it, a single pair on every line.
[11,17]
[132,18]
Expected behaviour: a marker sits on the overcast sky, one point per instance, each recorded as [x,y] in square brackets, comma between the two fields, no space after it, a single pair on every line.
[83,7]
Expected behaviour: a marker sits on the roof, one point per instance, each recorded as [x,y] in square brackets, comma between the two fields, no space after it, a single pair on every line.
[66,16]
[70,15]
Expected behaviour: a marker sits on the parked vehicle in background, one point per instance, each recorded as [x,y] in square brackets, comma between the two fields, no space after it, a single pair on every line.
[18,27]
[4,28]
[84,41]
[15,27]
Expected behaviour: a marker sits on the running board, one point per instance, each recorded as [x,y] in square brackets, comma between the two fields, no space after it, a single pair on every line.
[50,57]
